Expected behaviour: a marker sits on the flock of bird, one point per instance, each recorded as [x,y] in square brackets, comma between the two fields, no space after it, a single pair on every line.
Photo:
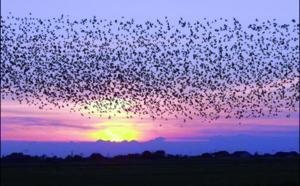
[202,70]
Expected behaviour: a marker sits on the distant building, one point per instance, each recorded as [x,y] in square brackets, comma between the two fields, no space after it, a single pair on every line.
[221,154]
[241,154]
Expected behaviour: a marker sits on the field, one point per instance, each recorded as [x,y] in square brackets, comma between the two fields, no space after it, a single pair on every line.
[166,172]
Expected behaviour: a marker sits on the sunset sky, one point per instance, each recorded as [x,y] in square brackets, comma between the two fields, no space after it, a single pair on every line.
[20,122]
[23,122]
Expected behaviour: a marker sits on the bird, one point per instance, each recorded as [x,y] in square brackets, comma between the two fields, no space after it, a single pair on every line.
[204,70]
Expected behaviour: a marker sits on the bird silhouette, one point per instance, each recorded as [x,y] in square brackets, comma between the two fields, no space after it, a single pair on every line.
[205,70]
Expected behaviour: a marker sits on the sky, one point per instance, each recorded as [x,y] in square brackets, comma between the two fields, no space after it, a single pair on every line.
[28,123]
[246,10]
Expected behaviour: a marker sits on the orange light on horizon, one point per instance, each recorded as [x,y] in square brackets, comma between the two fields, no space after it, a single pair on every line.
[116,134]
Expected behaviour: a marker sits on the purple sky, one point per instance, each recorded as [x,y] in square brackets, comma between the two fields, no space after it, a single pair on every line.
[246,10]
[24,123]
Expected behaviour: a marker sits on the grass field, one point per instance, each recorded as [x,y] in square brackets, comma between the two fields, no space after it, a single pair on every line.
[166,172]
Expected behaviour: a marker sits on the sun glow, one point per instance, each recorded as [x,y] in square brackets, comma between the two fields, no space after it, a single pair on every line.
[116,134]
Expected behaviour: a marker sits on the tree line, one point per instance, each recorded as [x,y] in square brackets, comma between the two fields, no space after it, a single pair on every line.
[159,154]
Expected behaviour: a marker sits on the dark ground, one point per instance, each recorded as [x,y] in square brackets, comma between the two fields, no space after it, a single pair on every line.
[166,172]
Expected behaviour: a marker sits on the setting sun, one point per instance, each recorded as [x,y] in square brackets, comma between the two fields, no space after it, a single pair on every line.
[116,134]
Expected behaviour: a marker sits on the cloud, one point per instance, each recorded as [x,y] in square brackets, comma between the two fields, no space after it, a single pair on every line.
[33,121]
[19,120]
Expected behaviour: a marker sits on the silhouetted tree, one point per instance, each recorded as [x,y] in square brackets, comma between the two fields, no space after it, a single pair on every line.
[267,155]
[286,154]
[133,156]
[146,155]
[69,158]
[17,157]
[206,155]
[43,157]
[159,154]
[170,156]
[77,158]
[96,157]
